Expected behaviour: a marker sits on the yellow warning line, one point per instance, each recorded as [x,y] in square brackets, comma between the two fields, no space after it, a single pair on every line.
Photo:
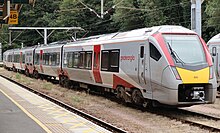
[27,113]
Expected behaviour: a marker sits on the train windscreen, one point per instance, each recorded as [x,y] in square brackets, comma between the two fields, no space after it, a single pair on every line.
[185,49]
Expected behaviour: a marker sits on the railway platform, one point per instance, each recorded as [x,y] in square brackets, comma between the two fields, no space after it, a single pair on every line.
[22,112]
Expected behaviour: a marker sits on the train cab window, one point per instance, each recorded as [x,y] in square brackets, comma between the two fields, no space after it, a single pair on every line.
[110,60]
[154,53]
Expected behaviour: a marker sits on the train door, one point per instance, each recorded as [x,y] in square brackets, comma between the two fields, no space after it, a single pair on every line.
[143,67]
[216,60]
[96,64]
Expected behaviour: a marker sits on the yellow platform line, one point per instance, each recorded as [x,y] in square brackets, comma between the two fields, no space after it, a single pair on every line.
[27,113]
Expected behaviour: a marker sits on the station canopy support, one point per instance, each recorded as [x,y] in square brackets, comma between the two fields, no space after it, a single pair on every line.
[45,29]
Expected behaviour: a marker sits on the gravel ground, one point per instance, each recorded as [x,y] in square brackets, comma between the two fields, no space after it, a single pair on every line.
[129,119]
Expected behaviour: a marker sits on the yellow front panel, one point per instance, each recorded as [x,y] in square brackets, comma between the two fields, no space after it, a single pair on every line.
[200,76]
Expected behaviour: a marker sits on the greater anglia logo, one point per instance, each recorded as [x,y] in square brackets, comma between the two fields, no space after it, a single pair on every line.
[128,58]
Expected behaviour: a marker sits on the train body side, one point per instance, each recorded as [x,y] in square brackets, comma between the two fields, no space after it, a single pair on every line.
[48,60]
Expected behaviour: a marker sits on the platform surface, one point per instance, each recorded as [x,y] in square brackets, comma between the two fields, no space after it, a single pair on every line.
[31,112]
[14,120]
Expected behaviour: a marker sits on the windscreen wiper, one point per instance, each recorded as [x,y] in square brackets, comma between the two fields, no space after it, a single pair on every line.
[175,55]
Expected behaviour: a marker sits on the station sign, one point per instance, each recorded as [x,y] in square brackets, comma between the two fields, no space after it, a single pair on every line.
[13,19]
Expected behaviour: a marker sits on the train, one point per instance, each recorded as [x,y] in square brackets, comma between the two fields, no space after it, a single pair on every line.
[161,65]
[214,49]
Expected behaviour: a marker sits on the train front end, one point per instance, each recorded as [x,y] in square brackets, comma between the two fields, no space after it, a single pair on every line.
[189,78]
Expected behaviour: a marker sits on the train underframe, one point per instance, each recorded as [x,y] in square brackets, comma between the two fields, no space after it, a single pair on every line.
[186,92]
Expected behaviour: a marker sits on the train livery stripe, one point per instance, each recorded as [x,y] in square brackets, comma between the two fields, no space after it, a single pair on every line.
[41,61]
[208,56]
[200,76]
[96,64]
[163,46]
[119,81]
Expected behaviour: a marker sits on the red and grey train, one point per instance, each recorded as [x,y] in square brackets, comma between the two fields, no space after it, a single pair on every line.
[164,64]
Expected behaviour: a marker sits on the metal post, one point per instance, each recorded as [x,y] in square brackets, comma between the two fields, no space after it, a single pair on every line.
[102,8]
[8,10]
[196,16]
[45,36]
[9,38]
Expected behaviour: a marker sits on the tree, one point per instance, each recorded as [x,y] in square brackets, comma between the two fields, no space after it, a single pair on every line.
[78,13]
[213,18]
[42,14]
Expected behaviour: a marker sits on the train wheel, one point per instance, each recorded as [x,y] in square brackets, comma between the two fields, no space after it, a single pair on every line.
[14,69]
[36,75]
[120,92]
[66,83]
[61,81]
[137,97]
[26,72]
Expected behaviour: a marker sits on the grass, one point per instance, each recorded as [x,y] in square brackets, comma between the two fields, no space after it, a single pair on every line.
[47,86]
[18,76]
[76,99]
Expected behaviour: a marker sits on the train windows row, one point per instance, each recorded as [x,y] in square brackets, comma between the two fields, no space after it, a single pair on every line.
[16,58]
[49,59]
[82,60]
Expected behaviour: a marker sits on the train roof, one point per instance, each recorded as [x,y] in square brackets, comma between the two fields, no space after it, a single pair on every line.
[137,34]
[214,40]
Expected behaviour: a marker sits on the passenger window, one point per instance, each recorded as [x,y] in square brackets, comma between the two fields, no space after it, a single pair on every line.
[76,59]
[110,60]
[154,53]
[88,60]
[105,60]
[69,59]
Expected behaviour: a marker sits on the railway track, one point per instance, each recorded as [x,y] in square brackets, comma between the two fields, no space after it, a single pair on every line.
[200,120]
[97,121]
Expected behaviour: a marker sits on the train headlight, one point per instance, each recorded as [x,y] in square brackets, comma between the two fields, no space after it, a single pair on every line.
[175,72]
[211,72]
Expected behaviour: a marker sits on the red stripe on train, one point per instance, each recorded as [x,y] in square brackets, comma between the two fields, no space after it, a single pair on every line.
[96,64]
